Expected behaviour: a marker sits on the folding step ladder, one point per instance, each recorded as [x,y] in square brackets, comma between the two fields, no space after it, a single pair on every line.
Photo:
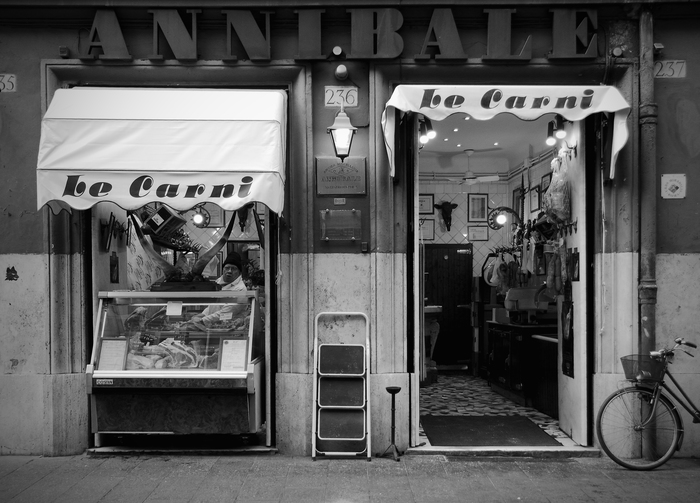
[341,416]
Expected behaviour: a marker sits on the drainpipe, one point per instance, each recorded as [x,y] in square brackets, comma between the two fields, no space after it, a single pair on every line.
[647,171]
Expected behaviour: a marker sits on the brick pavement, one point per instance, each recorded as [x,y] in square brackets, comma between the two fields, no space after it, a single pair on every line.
[278,478]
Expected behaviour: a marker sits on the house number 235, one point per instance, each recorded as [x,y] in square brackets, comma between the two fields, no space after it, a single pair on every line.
[8,83]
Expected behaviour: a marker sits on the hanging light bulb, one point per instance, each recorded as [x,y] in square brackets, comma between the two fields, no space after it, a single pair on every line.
[559,130]
[423,137]
[551,140]
[429,127]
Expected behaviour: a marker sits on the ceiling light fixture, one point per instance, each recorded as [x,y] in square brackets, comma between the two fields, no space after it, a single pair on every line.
[423,133]
[551,140]
[559,130]
[429,126]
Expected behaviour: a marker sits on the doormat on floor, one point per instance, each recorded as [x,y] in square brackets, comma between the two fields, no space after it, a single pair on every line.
[516,431]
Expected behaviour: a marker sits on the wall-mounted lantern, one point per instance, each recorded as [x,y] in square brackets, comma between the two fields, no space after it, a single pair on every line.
[341,133]
[201,216]
[497,217]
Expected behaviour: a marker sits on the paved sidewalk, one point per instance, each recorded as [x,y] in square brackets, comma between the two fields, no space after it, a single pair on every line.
[278,478]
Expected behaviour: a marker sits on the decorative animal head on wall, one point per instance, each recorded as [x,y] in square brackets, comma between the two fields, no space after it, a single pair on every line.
[446,208]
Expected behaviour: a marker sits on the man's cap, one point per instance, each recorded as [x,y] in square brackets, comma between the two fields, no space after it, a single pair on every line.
[235,259]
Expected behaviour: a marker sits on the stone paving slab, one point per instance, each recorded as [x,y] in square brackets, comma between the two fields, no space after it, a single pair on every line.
[275,478]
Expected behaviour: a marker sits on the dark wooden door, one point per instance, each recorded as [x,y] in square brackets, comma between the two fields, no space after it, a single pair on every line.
[448,278]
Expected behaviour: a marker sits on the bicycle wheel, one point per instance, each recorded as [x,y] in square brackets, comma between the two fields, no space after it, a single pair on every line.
[634,435]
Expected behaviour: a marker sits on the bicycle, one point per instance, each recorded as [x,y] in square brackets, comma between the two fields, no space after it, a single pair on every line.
[639,426]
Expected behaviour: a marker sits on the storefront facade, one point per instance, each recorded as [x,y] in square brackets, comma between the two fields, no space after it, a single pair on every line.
[639,255]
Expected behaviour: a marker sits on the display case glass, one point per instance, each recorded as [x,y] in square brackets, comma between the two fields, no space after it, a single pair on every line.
[177,362]
[166,333]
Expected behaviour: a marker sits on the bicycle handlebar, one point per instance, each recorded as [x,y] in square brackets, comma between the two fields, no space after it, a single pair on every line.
[679,342]
[682,342]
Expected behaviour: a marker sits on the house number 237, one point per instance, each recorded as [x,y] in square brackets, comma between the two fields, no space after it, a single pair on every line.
[669,69]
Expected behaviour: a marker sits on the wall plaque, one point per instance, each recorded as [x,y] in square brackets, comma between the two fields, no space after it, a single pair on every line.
[347,178]
[673,186]
[341,225]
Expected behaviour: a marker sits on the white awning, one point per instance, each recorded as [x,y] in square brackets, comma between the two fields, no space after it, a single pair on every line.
[526,102]
[180,147]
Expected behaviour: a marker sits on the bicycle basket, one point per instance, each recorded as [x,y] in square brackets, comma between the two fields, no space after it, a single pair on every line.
[642,368]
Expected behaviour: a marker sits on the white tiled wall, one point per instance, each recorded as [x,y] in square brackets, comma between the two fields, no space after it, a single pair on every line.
[499,195]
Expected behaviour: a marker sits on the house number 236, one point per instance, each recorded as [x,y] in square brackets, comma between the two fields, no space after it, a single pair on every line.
[337,96]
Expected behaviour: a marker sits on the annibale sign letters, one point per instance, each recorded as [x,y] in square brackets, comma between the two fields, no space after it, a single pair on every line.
[373,34]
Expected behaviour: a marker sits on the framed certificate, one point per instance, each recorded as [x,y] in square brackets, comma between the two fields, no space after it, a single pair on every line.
[427,229]
[478,233]
[425,204]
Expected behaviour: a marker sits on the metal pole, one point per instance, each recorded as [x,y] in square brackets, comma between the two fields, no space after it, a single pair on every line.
[647,169]
[393,419]
[392,390]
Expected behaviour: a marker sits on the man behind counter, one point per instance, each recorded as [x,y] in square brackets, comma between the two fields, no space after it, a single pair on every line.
[231,280]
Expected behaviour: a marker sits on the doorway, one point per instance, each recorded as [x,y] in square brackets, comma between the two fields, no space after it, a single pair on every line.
[467,326]
[447,276]
[469,122]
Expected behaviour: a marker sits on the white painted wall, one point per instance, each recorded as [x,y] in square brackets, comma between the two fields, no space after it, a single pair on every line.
[617,326]
[678,277]
[40,412]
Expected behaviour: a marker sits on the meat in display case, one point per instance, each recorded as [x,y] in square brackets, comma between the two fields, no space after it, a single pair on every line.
[177,362]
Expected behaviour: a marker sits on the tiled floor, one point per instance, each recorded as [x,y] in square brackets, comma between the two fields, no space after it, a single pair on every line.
[461,394]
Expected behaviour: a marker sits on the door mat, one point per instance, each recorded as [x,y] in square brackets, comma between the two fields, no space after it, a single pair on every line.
[516,431]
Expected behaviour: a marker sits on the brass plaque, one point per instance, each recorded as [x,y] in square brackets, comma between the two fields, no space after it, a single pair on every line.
[334,177]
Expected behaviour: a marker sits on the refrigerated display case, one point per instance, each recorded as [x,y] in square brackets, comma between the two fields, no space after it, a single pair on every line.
[157,368]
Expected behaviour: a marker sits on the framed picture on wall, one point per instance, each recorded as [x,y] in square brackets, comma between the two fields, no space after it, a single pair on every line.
[108,232]
[427,229]
[534,198]
[517,202]
[425,204]
[216,215]
[544,183]
[477,207]
[478,233]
